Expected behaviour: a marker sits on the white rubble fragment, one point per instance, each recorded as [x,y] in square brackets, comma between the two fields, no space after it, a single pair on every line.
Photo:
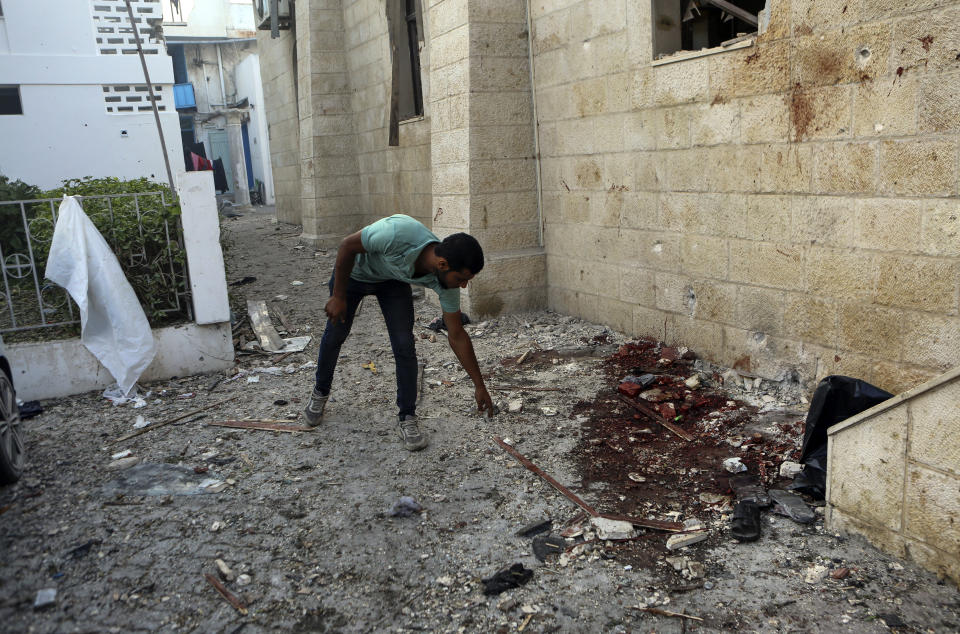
[816,573]
[731,378]
[244,580]
[548,411]
[790,469]
[445,581]
[693,382]
[636,477]
[675,542]
[216,526]
[140,422]
[734,465]
[296,283]
[123,463]
[225,573]
[612,529]
[253,379]
[121,454]
[515,406]
[45,597]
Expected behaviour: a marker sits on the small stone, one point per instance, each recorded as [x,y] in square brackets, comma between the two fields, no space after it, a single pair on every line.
[216,526]
[123,454]
[708,585]
[675,542]
[678,563]
[766,398]
[693,382]
[225,573]
[45,598]
[636,477]
[731,378]
[123,463]
[515,406]
[445,581]
[244,580]
[296,283]
[790,469]
[548,411]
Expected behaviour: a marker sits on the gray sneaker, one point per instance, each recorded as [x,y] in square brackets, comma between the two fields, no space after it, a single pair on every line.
[410,433]
[314,411]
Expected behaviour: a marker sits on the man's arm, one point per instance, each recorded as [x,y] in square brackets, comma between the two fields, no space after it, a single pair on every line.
[462,347]
[350,246]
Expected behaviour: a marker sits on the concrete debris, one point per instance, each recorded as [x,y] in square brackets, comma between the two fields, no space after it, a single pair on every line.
[123,463]
[790,469]
[515,406]
[224,570]
[682,540]
[45,598]
[693,382]
[612,529]
[815,573]
[734,465]
[244,580]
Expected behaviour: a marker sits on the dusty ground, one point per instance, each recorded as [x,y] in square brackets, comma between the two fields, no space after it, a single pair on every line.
[305,515]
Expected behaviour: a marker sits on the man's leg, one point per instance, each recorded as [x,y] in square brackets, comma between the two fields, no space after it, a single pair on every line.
[334,335]
[396,303]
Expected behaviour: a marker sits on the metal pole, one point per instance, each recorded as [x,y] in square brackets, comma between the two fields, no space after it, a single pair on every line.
[153,101]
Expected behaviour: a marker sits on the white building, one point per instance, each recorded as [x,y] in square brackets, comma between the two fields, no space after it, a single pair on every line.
[219,93]
[73,100]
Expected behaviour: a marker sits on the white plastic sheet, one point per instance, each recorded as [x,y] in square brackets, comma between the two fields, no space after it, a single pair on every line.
[113,326]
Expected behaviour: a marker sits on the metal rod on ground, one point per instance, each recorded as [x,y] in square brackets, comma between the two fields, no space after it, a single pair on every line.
[167,422]
[153,101]
[226,594]
[636,521]
[657,418]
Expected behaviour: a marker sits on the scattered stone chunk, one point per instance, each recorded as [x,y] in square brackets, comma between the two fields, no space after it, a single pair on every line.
[612,529]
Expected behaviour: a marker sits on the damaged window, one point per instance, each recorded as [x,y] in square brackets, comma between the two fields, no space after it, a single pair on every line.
[692,25]
[10,100]
[408,52]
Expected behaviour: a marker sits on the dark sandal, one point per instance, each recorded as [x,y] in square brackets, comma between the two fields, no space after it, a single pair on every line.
[746,488]
[745,525]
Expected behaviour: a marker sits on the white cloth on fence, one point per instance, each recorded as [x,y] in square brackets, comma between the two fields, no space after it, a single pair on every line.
[113,325]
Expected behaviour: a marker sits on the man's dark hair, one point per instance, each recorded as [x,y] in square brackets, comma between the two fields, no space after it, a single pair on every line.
[461,251]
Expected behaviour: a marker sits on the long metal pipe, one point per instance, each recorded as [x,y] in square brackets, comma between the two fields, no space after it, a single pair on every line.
[153,101]
[223,89]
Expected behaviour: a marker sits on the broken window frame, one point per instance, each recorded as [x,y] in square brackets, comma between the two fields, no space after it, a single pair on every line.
[11,102]
[688,10]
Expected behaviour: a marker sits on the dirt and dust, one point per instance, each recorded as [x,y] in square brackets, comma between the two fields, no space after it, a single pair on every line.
[301,522]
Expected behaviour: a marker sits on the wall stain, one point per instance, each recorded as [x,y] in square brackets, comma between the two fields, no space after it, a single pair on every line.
[801,112]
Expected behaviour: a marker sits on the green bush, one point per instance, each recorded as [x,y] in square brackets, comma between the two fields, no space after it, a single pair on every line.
[140,244]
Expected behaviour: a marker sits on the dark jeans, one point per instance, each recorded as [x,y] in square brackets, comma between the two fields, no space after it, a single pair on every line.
[396,303]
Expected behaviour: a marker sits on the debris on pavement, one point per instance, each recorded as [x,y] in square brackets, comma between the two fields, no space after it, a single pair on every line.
[612,529]
[170,421]
[224,570]
[698,533]
[262,327]
[45,598]
[226,594]
[406,506]
[546,545]
[734,465]
[530,530]
[745,523]
[792,505]
[150,478]
[507,579]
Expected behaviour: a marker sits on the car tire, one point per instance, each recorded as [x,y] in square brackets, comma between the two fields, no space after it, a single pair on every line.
[11,442]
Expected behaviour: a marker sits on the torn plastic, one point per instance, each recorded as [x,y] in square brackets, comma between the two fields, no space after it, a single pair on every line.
[112,323]
[836,399]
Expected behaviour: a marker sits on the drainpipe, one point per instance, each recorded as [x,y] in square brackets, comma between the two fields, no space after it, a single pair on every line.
[536,130]
[223,90]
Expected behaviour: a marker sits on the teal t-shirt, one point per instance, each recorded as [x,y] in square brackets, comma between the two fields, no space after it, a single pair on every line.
[392,246]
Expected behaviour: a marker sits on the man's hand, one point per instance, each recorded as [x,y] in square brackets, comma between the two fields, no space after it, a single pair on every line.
[336,309]
[484,402]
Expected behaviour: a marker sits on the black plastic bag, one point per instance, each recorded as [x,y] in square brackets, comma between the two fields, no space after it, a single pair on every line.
[836,399]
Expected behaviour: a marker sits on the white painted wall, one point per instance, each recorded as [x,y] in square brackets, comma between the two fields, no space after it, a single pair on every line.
[250,85]
[65,130]
[209,18]
[201,236]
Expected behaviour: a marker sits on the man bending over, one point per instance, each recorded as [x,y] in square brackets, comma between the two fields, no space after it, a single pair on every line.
[384,259]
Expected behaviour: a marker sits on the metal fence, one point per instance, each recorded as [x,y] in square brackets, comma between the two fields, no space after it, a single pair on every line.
[142,229]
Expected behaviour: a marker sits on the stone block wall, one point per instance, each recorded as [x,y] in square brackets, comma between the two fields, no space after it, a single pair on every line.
[790,205]
[283,124]
[894,475]
[392,179]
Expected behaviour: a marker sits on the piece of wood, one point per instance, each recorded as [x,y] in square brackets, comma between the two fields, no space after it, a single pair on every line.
[265,425]
[526,622]
[167,422]
[523,357]
[262,327]
[655,417]
[666,613]
[226,594]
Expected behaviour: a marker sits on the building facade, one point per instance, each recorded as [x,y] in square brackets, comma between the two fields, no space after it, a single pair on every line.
[73,99]
[775,186]
[220,95]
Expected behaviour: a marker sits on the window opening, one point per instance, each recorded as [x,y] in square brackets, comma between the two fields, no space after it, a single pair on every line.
[692,25]
[10,100]
[411,99]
